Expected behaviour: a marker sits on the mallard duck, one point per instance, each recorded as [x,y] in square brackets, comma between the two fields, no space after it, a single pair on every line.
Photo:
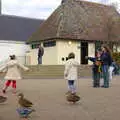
[24,102]
[72,98]
[2,99]
[24,112]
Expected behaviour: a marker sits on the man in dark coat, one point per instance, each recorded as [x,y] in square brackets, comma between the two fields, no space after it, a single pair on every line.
[40,54]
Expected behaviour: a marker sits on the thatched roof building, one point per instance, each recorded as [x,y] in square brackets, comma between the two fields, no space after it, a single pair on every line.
[80,20]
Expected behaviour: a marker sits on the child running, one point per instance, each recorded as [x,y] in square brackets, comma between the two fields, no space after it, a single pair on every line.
[12,69]
[70,73]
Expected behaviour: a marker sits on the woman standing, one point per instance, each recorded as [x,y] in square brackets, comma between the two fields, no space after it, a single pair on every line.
[106,62]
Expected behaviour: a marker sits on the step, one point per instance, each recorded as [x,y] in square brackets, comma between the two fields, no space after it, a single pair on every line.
[53,71]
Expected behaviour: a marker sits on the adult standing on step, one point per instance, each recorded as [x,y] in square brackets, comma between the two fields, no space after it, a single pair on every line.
[40,54]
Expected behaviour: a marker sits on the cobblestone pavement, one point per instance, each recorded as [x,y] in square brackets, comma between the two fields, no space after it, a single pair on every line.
[49,100]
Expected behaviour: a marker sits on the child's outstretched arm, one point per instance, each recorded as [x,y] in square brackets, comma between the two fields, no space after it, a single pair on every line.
[23,67]
[3,68]
[90,58]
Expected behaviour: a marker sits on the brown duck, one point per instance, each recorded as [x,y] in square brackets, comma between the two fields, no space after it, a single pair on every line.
[72,98]
[2,99]
[24,102]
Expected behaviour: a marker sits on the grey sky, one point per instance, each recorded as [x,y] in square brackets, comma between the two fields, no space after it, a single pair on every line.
[36,8]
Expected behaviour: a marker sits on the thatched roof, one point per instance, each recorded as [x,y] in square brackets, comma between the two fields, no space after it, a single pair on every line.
[80,20]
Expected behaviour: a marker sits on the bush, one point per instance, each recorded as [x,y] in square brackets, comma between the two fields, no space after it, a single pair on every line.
[116,57]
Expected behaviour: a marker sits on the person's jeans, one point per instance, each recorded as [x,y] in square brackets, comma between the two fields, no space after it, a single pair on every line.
[40,60]
[105,72]
[71,86]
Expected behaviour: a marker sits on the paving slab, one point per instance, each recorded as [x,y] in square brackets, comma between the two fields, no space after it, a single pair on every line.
[48,96]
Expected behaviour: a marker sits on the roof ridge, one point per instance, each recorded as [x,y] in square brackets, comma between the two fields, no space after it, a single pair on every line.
[15,16]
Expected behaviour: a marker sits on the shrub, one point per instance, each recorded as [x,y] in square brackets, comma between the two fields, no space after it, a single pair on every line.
[116,57]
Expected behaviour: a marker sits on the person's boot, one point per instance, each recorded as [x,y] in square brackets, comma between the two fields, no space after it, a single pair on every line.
[4,91]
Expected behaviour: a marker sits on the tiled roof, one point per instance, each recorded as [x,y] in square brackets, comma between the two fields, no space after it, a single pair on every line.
[17,28]
[81,20]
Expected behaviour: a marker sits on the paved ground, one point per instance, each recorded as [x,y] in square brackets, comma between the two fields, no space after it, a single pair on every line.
[50,103]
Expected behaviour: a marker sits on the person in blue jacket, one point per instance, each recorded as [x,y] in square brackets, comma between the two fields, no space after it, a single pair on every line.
[106,63]
[96,69]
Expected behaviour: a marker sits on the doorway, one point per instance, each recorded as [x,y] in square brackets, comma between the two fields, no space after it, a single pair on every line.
[84,52]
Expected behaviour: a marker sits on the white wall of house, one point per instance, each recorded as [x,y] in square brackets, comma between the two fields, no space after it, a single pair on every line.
[32,57]
[91,51]
[13,47]
[116,48]
[49,57]
[65,47]
[53,55]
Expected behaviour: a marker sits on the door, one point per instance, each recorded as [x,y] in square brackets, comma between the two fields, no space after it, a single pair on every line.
[84,52]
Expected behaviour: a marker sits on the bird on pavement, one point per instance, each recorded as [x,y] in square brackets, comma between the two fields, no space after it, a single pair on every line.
[25,108]
[24,102]
[72,97]
[2,99]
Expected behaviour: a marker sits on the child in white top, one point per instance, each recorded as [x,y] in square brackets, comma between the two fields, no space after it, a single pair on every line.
[12,69]
[71,72]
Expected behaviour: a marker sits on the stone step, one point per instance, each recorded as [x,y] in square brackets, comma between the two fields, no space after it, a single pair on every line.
[52,71]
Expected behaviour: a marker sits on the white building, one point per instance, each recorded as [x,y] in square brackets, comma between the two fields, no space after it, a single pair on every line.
[9,47]
[76,26]
[14,31]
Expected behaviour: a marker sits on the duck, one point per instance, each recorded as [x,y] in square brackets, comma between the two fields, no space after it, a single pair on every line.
[3,99]
[24,102]
[72,98]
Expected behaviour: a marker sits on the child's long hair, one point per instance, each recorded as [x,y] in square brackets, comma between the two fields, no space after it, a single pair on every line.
[107,48]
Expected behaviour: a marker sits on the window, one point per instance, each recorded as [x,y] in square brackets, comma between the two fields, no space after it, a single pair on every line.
[97,45]
[34,46]
[49,43]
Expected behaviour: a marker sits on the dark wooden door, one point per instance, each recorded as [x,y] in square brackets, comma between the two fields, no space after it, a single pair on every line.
[84,52]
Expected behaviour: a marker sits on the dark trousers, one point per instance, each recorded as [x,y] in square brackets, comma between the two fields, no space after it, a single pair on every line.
[40,60]
[96,79]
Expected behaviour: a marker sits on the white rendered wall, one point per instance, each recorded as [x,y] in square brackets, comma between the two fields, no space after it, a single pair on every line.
[49,57]
[13,47]
[65,47]
[91,51]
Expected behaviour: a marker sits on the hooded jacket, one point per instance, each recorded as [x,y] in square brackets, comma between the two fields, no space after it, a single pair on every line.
[12,69]
[71,72]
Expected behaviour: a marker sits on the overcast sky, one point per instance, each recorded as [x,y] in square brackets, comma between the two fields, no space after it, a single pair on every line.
[37,8]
